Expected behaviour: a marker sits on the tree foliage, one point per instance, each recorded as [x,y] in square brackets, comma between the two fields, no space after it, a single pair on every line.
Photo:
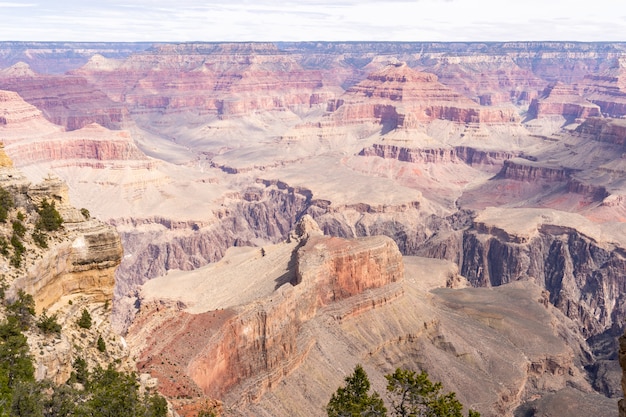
[22,309]
[102,347]
[411,394]
[48,324]
[6,204]
[85,319]
[354,400]
[49,218]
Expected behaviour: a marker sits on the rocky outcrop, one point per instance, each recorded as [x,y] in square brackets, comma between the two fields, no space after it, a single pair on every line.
[253,346]
[580,270]
[607,89]
[398,96]
[468,155]
[224,80]
[604,130]
[622,362]
[15,112]
[92,145]
[81,258]
[563,100]
[71,102]
[524,170]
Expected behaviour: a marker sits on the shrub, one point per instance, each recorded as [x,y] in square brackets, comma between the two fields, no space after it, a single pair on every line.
[6,204]
[85,319]
[4,246]
[40,238]
[48,324]
[85,213]
[49,218]
[22,309]
[19,228]
[101,345]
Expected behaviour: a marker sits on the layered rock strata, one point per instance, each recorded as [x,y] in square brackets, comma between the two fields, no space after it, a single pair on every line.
[560,99]
[398,96]
[253,345]
[82,257]
[577,262]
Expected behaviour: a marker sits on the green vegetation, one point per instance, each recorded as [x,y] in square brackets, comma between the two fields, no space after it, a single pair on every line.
[40,238]
[85,213]
[101,392]
[85,319]
[353,400]
[4,246]
[411,395]
[48,324]
[49,218]
[18,251]
[6,204]
[102,347]
[22,309]
[18,228]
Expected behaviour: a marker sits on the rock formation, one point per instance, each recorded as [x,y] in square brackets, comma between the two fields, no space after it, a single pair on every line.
[562,100]
[398,96]
[254,342]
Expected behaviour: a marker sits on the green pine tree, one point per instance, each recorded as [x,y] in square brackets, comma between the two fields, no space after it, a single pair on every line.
[85,320]
[354,399]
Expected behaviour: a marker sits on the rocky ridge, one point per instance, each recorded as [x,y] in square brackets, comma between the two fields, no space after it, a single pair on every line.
[322,271]
[77,265]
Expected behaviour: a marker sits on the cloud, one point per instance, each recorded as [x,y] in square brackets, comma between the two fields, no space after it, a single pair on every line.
[13,4]
[289,20]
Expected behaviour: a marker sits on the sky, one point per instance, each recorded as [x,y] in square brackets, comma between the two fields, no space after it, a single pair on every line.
[312,20]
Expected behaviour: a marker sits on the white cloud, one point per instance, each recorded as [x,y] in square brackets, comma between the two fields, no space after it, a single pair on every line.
[13,4]
[274,20]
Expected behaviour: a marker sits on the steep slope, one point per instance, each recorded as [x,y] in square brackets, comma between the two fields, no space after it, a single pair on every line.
[288,321]
[64,269]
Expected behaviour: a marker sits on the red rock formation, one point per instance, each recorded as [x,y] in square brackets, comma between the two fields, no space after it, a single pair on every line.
[560,99]
[522,170]
[253,346]
[218,79]
[604,130]
[607,90]
[92,142]
[470,156]
[491,79]
[68,101]
[398,96]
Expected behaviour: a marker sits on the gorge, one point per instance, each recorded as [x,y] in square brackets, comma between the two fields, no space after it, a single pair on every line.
[288,210]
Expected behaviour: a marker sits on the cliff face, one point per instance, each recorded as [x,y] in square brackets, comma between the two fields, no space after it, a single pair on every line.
[563,100]
[622,362]
[468,155]
[254,345]
[81,259]
[71,102]
[605,130]
[581,273]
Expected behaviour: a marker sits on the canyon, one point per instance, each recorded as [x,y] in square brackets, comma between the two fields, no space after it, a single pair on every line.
[288,210]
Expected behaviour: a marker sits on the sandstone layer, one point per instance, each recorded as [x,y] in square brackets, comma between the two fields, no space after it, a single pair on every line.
[254,338]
